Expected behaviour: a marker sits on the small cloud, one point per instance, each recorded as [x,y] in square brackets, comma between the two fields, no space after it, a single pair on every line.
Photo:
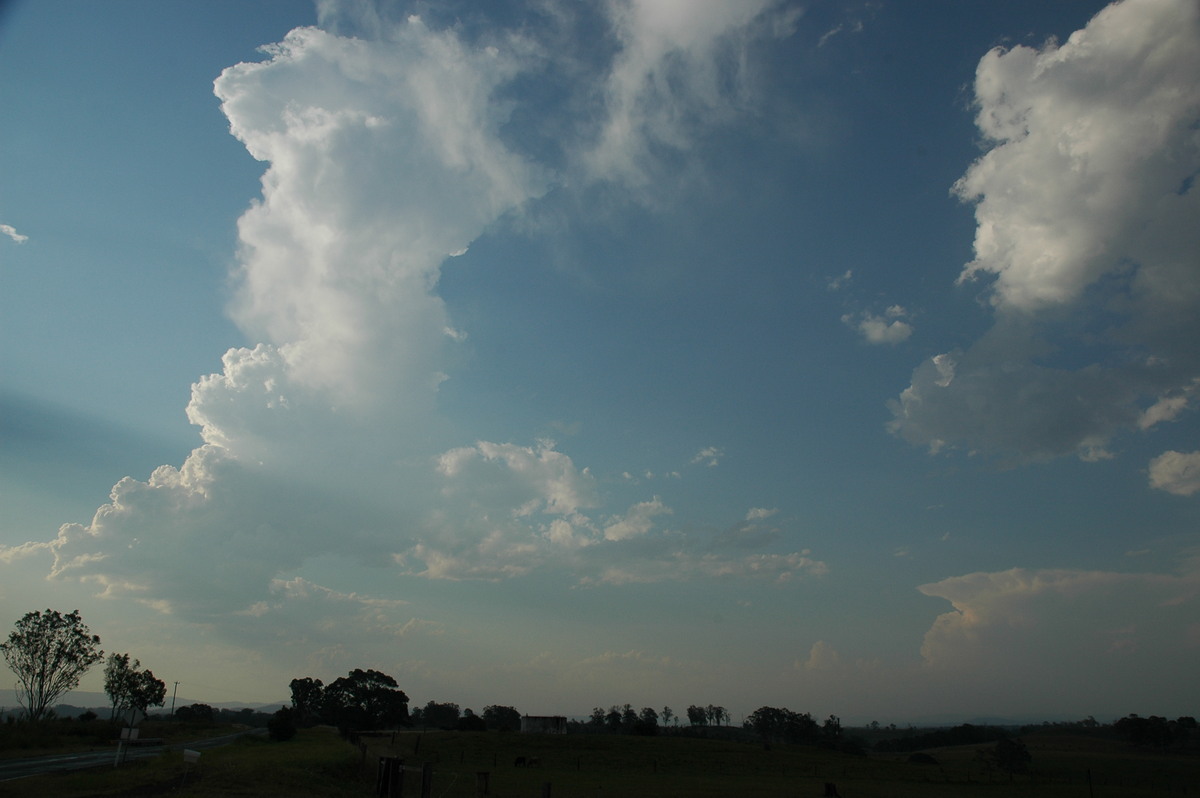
[836,283]
[459,252]
[890,328]
[711,456]
[829,34]
[637,522]
[821,657]
[760,513]
[12,233]
[1176,472]
[1168,408]
[455,334]
[1094,454]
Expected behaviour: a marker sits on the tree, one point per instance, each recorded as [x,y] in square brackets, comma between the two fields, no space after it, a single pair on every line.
[118,679]
[197,713]
[697,716]
[504,718]
[49,652]
[129,687]
[667,714]
[439,715]
[146,691]
[715,715]
[307,695]
[470,722]
[282,725]
[647,722]
[364,700]
[783,725]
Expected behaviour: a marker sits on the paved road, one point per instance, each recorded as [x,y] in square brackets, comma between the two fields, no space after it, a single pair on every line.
[38,765]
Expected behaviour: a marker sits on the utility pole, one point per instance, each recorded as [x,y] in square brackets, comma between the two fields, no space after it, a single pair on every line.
[173,692]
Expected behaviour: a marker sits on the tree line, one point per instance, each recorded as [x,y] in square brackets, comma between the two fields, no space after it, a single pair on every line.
[50,652]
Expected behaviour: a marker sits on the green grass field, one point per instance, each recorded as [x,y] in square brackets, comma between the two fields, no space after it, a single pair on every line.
[318,763]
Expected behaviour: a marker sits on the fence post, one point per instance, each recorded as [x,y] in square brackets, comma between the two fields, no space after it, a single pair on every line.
[546,790]
[381,776]
[427,780]
[390,782]
[481,783]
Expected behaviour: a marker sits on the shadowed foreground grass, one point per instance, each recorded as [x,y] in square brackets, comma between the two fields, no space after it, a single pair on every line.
[318,763]
[315,763]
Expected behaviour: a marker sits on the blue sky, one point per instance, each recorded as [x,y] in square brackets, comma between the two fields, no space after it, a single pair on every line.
[836,356]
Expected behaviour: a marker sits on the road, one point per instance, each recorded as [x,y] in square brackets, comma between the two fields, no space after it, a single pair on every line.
[55,763]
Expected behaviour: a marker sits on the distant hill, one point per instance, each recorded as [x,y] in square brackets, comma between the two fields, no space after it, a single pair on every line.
[78,701]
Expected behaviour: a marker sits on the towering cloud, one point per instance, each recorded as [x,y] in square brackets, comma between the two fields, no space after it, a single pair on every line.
[1086,229]
[385,154]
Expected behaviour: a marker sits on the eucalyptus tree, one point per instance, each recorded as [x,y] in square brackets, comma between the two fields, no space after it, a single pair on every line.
[49,652]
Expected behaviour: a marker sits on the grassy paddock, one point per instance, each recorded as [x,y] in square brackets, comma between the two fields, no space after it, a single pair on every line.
[60,735]
[318,763]
[314,763]
[583,765]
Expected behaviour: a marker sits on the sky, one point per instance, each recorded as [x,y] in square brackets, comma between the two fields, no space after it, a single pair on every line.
[837,356]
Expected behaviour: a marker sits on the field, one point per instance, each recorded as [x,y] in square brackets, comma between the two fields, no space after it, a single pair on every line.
[318,763]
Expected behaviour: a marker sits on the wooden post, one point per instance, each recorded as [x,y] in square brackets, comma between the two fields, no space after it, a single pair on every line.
[390,782]
[481,783]
[427,780]
[546,790]
[381,776]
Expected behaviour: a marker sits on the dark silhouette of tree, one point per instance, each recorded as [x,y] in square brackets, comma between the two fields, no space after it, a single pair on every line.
[612,720]
[308,695]
[503,718]
[282,725]
[1155,731]
[782,725]
[470,722]
[145,690]
[196,713]
[667,715]
[647,723]
[364,700]
[126,684]
[49,652]
[597,718]
[440,716]
[697,716]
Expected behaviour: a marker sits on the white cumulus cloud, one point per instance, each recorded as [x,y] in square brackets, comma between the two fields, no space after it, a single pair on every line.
[1176,472]
[11,232]
[1085,215]
[888,328]
[1066,627]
